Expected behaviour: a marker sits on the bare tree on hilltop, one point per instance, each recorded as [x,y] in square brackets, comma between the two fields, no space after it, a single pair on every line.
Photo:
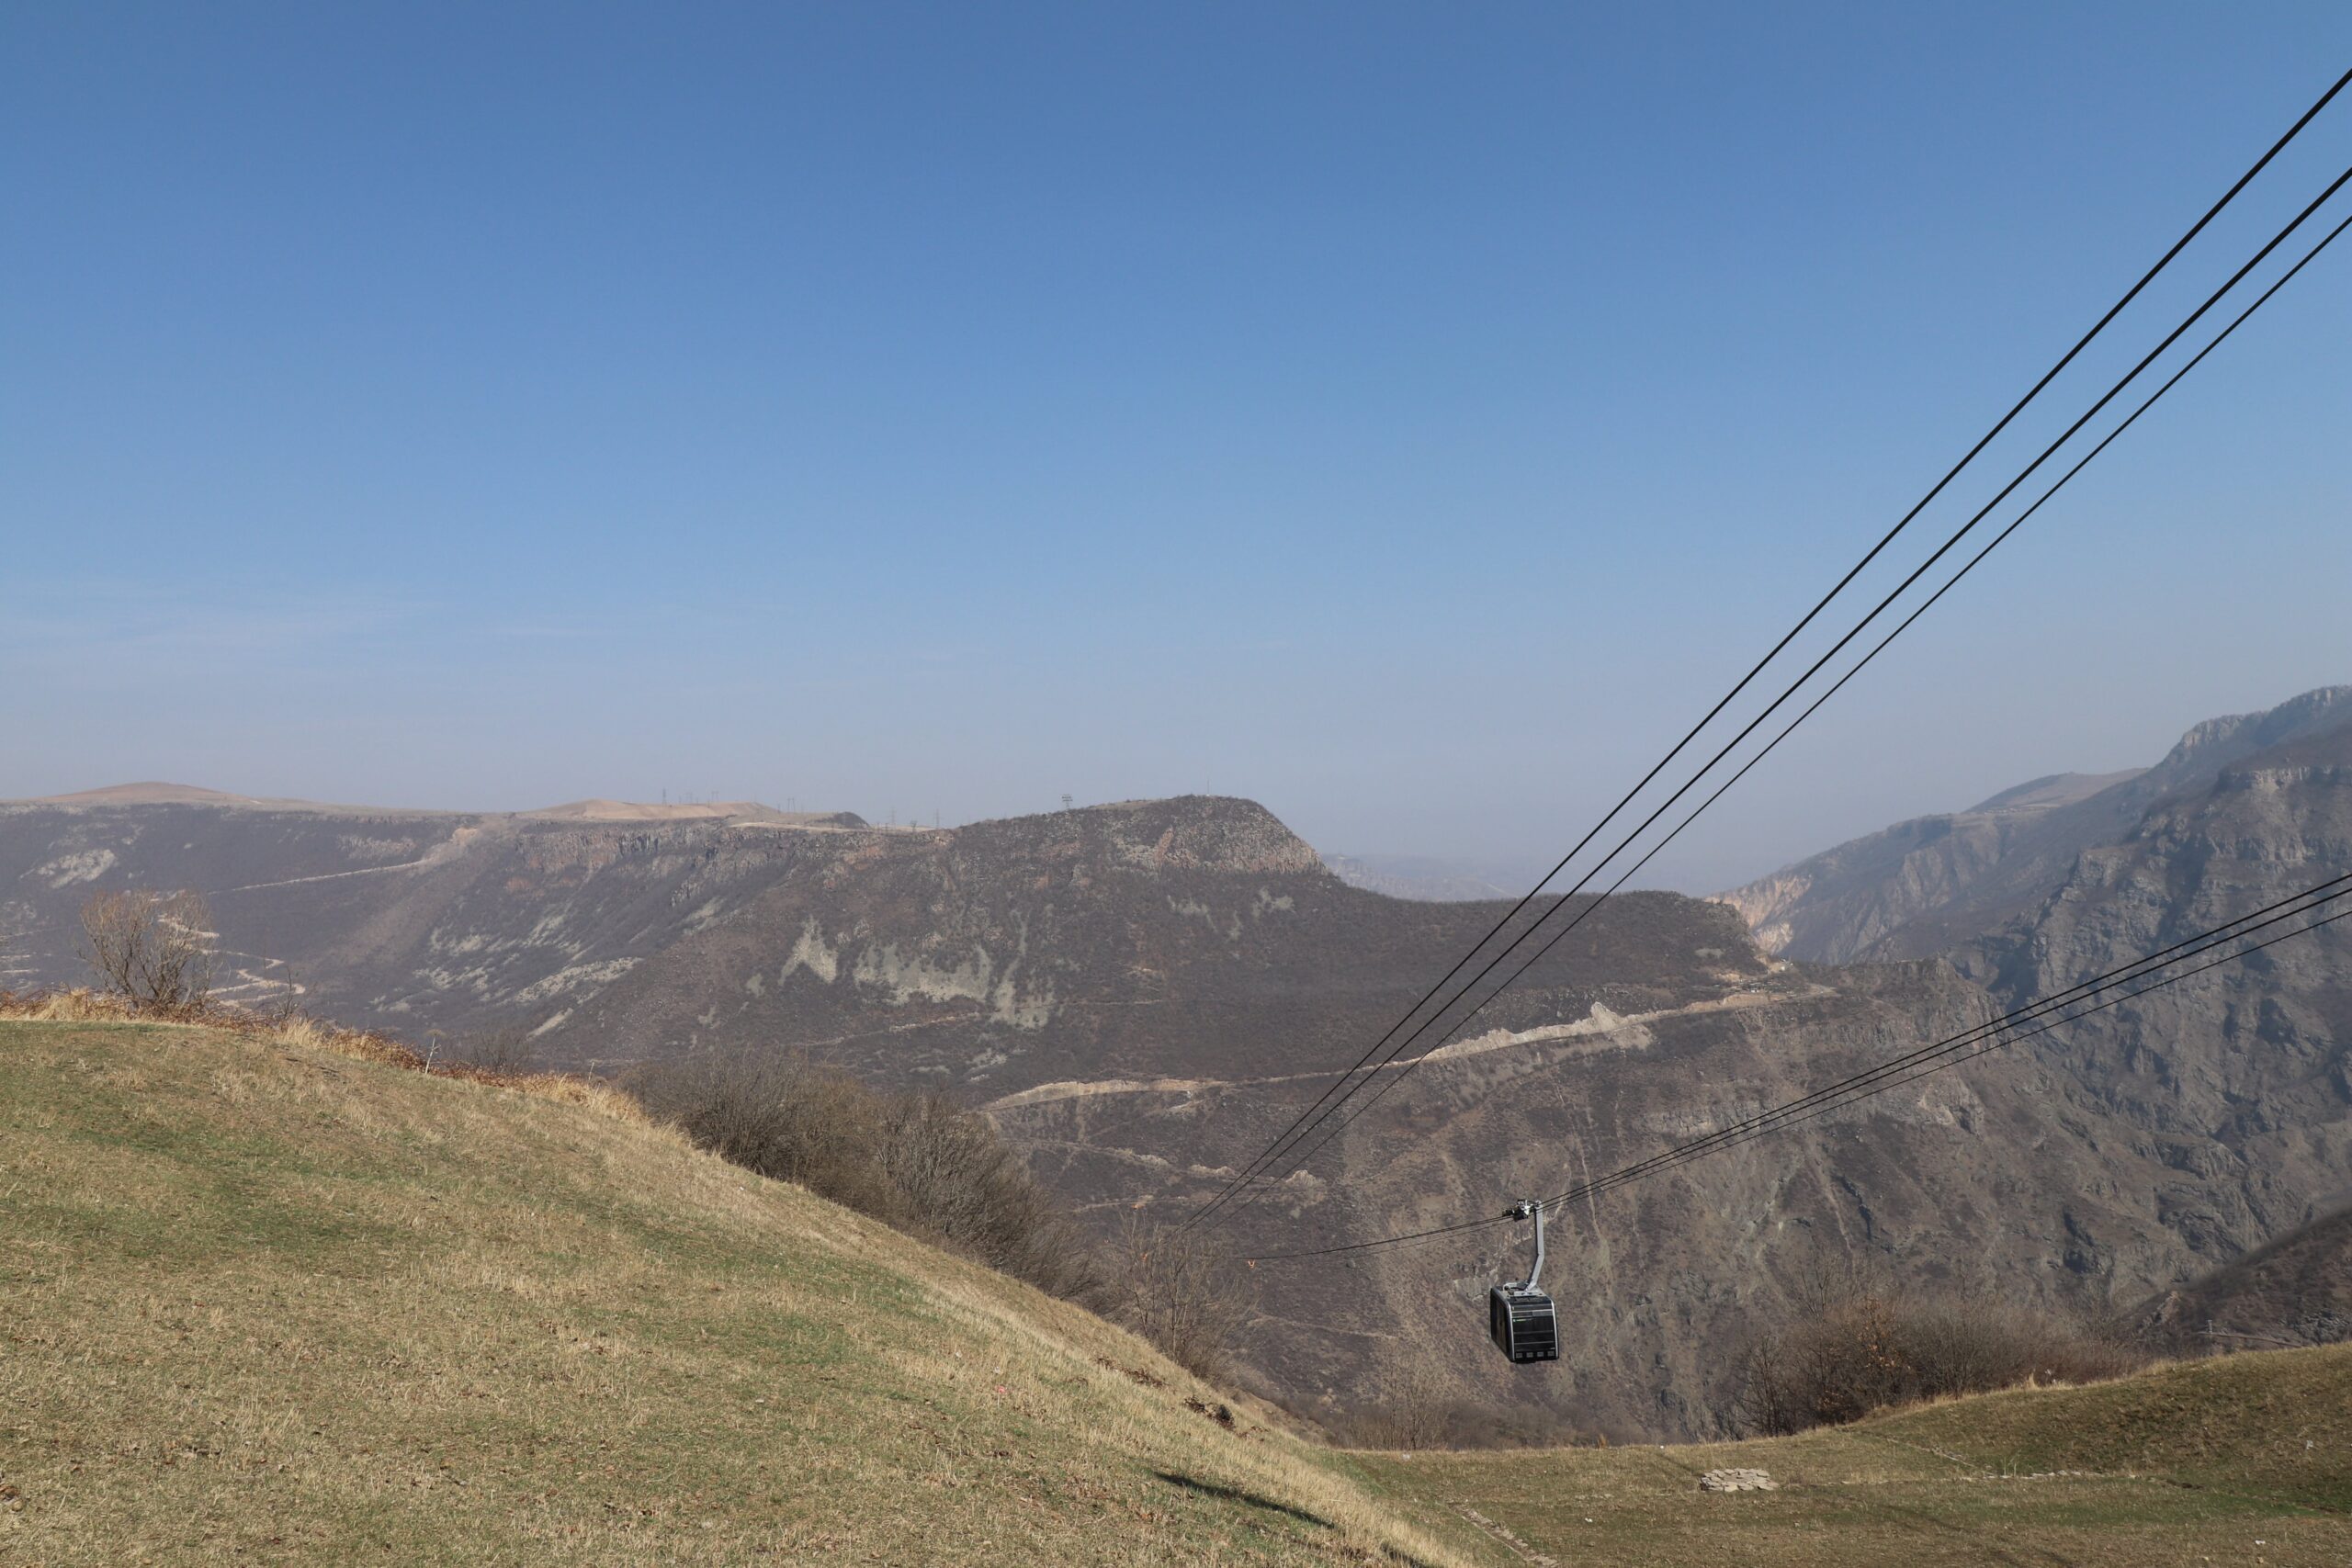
[149,947]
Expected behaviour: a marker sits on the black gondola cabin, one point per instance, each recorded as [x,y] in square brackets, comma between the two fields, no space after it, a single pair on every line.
[1520,1315]
[1523,1323]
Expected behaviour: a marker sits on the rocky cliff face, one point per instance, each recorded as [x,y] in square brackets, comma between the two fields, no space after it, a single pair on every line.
[1193,938]
[1926,885]
[2241,1080]
[2296,1290]
[418,922]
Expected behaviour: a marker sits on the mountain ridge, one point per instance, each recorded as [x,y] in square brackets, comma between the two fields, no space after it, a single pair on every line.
[1951,875]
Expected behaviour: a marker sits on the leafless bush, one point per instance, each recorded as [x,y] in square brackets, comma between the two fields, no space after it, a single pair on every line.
[1423,1408]
[916,1161]
[1415,1414]
[149,948]
[505,1053]
[961,1182]
[782,1117]
[1181,1290]
[1860,1349]
[285,1004]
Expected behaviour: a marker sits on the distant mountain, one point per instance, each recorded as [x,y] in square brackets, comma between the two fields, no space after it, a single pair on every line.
[697,811]
[408,921]
[1924,885]
[153,793]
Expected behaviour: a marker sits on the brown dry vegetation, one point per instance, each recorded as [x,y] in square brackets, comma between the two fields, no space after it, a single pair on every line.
[912,1159]
[298,1031]
[1424,1413]
[1857,1349]
[919,1162]
[1181,1290]
[150,948]
[272,1295]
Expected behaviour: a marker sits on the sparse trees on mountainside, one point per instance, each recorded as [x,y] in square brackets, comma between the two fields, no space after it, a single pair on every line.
[150,948]
[1181,1290]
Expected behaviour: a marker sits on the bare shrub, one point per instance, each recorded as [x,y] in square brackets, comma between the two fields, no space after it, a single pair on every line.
[149,948]
[782,1117]
[285,1004]
[1411,1421]
[1411,1415]
[916,1161]
[960,1180]
[503,1053]
[1858,1348]
[1181,1290]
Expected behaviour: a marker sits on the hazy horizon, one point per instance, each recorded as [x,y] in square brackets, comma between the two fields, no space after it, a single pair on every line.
[1509,870]
[1409,419]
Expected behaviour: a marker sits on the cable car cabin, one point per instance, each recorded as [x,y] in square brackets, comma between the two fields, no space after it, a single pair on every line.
[1520,1315]
[1523,1323]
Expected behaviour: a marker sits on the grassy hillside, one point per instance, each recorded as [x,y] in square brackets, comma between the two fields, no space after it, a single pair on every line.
[2243,1459]
[264,1303]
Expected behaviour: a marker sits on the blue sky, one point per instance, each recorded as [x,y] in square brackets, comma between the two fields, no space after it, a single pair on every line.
[1409,416]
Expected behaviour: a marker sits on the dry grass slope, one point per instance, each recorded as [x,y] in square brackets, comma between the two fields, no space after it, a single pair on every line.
[2242,1459]
[271,1297]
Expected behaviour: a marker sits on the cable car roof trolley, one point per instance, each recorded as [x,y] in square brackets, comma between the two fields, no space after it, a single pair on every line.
[1519,1317]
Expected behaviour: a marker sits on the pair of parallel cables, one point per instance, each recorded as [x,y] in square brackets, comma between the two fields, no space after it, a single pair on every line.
[1333,1111]
[2329,901]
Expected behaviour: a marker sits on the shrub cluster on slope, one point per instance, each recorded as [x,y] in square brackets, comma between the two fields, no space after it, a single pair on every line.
[1859,1349]
[922,1164]
[914,1160]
